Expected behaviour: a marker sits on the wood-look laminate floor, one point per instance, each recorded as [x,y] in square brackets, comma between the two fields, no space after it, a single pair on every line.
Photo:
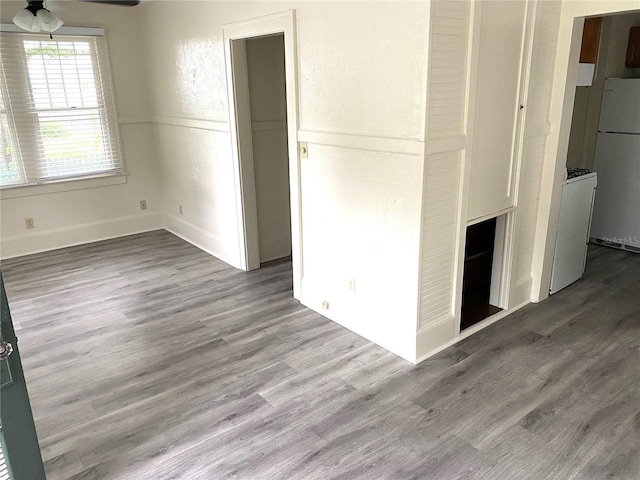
[148,359]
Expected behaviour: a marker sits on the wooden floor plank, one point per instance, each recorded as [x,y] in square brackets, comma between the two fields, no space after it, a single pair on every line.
[147,358]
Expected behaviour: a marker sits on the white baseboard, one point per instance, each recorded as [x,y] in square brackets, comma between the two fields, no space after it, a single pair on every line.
[203,239]
[53,239]
[353,326]
[429,336]
[43,241]
[346,313]
[521,292]
[434,337]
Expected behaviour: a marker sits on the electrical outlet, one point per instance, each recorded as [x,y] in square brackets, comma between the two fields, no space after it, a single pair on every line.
[28,222]
[351,285]
[180,209]
[143,204]
[325,305]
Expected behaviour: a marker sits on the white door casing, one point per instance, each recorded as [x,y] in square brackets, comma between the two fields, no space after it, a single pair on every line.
[565,74]
[241,148]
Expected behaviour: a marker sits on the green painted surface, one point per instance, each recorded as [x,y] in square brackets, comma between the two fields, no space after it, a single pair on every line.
[18,430]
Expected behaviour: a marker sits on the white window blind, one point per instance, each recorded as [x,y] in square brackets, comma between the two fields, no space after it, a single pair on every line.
[57,109]
[4,467]
[10,168]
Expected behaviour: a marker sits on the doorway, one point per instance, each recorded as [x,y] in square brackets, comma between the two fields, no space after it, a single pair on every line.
[561,95]
[604,143]
[263,111]
[262,141]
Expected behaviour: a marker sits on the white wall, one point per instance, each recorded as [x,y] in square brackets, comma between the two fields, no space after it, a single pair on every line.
[91,212]
[385,185]
[576,154]
[361,109]
[267,99]
[384,188]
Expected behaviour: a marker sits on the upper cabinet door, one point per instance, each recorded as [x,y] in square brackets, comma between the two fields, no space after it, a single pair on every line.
[500,47]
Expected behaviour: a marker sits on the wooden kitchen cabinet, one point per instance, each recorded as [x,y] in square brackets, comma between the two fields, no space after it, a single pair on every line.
[590,40]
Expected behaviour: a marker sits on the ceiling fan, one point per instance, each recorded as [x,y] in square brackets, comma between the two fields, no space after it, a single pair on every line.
[36,18]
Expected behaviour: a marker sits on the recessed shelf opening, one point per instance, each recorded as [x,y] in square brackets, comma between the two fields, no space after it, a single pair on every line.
[481,286]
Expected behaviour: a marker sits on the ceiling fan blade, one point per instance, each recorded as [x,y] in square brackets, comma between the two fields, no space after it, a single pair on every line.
[124,3]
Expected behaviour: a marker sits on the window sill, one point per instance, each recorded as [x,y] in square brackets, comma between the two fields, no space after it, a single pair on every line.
[63,186]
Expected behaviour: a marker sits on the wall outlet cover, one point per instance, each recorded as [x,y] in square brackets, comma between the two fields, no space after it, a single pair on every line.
[351,285]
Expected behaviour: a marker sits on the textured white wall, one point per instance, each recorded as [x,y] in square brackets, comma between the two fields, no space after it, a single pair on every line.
[361,108]
[93,213]
[361,67]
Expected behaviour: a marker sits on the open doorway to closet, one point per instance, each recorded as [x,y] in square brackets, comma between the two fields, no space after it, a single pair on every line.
[261,106]
[260,59]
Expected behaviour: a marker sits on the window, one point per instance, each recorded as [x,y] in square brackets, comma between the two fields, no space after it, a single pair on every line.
[57,109]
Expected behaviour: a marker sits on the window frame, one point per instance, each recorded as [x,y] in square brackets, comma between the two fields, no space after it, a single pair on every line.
[5,109]
[33,183]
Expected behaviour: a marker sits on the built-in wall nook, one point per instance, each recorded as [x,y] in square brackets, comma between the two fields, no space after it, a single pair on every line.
[482,280]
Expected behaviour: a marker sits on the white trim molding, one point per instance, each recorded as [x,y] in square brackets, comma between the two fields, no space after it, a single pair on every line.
[430,338]
[133,119]
[53,239]
[406,146]
[198,237]
[63,186]
[445,144]
[199,123]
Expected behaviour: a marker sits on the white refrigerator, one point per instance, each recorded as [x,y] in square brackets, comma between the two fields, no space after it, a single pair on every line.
[616,211]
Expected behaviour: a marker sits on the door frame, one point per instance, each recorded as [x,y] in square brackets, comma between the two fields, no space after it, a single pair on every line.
[562,98]
[241,145]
